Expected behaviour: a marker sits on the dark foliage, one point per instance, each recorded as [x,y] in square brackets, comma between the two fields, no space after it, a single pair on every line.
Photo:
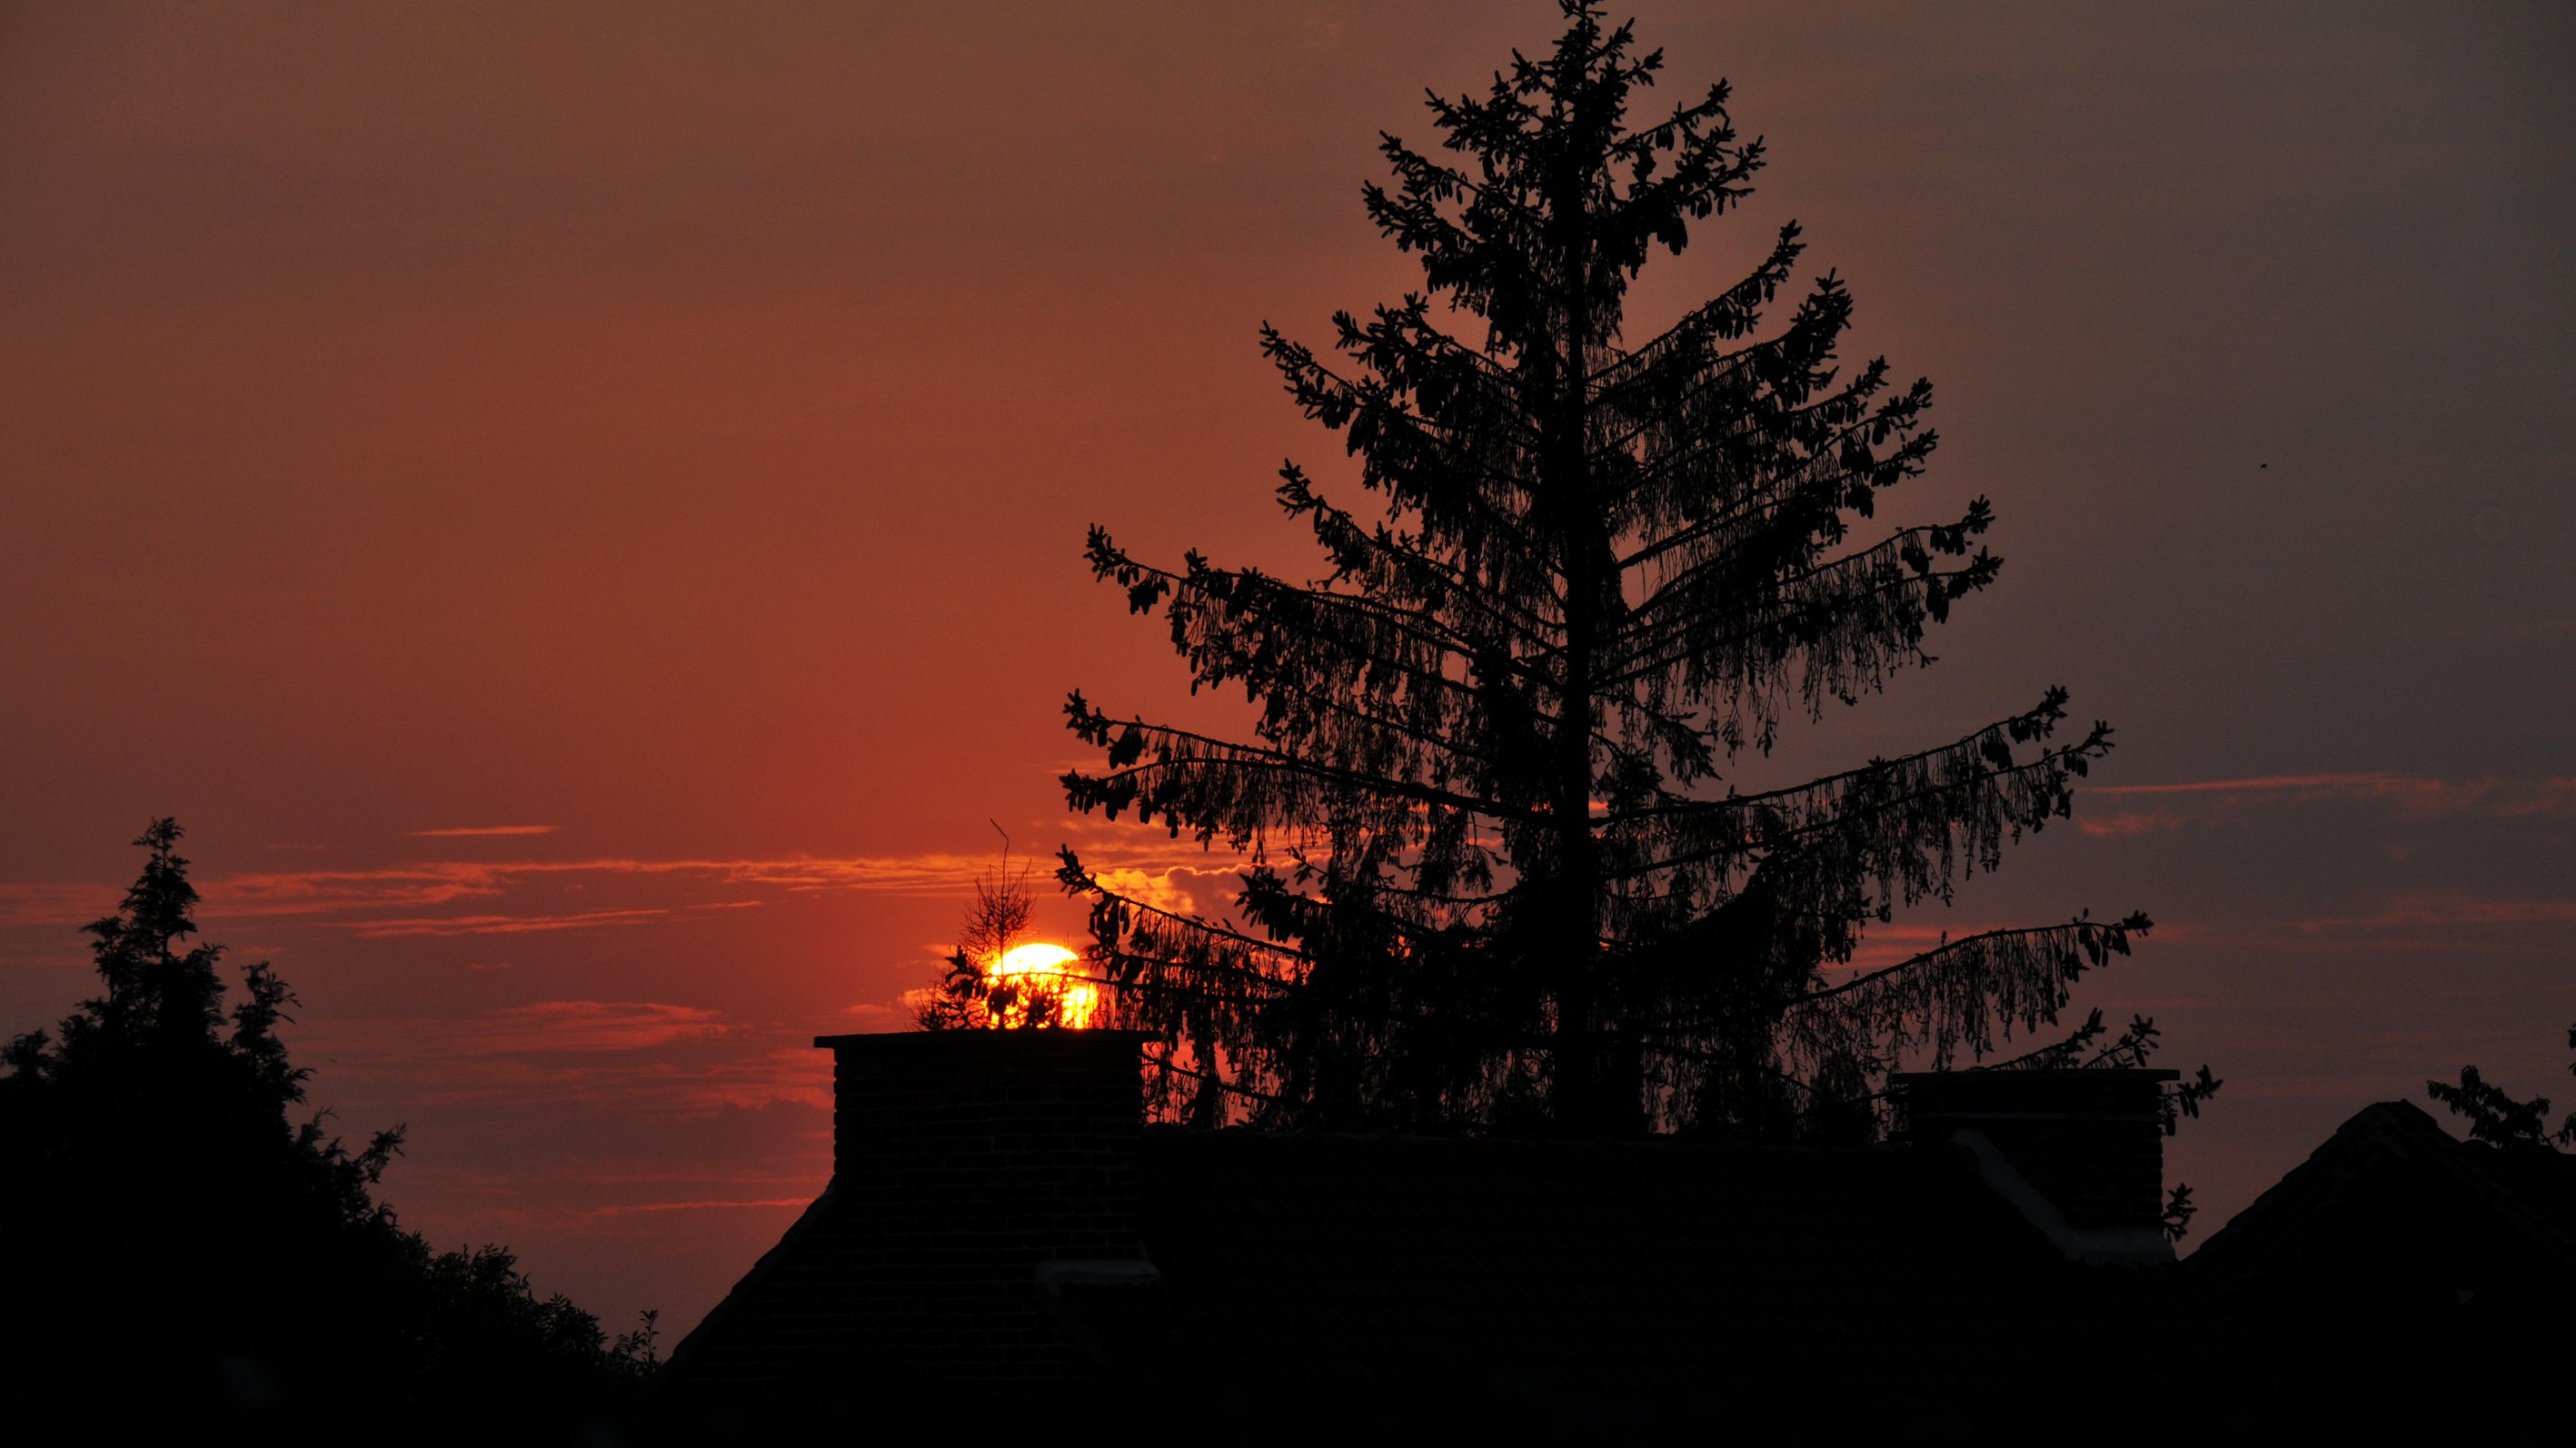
[2496,1117]
[1510,861]
[187,1248]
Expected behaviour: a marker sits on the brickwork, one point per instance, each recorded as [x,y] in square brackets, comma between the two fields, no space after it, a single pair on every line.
[961,1161]
[1021,1142]
[2091,1141]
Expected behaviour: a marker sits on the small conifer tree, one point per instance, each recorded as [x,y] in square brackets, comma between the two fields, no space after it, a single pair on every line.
[980,988]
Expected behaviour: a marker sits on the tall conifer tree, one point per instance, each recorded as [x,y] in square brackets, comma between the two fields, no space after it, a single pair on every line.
[1500,868]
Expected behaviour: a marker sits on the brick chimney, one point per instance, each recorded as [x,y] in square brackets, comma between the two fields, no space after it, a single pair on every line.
[1022,1141]
[973,1174]
[2081,1153]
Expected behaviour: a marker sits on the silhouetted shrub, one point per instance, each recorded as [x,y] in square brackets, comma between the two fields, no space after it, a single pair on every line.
[187,1247]
[2496,1117]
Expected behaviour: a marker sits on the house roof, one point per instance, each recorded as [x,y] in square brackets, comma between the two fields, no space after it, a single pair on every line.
[1678,1279]
[2391,1184]
[1629,1269]
[2402,1282]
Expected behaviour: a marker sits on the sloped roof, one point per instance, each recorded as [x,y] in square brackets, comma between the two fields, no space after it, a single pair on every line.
[767,1325]
[2402,1282]
[1561,1257]
[2392,1183]
[1669,1281]
[1556,1273]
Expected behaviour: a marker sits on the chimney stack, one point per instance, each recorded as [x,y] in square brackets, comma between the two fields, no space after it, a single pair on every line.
[1025,1138]
[971,1172]
[2081,1153]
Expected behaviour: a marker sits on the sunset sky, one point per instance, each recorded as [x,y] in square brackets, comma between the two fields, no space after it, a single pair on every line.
[578,510]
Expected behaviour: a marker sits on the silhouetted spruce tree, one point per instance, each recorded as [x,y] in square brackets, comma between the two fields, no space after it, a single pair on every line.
[1505,866]
[187,1252]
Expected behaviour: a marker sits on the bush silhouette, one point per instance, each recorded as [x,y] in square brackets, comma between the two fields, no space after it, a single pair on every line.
[187,1246]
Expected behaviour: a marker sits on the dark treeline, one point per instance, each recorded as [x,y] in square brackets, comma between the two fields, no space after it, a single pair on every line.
[188,1247]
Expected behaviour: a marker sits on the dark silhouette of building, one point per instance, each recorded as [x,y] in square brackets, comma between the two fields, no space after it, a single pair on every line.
[1003,1235]
[2442,1270]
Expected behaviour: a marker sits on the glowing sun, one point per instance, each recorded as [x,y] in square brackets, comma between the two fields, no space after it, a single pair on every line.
[1038,972]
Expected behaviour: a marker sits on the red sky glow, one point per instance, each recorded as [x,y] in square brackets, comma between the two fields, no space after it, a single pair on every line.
[578,510]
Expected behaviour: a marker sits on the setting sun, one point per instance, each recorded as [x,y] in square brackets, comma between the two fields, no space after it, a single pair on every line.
[1038,972]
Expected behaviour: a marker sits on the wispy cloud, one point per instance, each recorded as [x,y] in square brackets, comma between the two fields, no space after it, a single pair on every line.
[448,925]
[535,1028]
[2448,908]
[500,897]
[620,1211]
[519,1217]
[2414,796]
[1884,945]
[644,1059]
[313,892]
[44,902]
[586,1026]
[417,889]
[478,898]
[2310,784]
[2131,822]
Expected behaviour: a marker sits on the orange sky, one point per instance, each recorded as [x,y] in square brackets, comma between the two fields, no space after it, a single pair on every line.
[666,432]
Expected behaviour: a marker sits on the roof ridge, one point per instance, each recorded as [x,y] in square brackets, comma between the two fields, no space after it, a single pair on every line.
[2384,1129]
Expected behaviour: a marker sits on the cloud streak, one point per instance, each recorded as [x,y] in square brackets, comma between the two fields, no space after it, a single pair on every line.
[462,832]
[536,1028]
[2447,909]
[642,1059]
[2307,785]
[420,889]
[468,898]
[45,902]
[452,925]
[591,1026]
[2413,796]
[2131,822]
[620,1211]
